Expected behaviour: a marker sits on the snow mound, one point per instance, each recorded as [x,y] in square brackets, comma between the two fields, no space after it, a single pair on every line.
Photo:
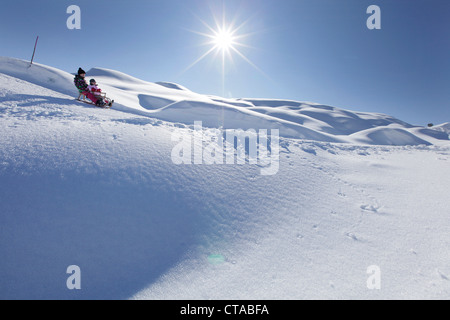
[171,85]
[388,136]
[445,127]
[97,189]
[44,76]
[174,103]
[150,102]
[216,114]
[113,76]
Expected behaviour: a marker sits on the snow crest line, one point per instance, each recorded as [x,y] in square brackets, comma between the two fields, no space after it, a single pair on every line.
[294,119]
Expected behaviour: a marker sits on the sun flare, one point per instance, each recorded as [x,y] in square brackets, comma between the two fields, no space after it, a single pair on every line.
[224,39]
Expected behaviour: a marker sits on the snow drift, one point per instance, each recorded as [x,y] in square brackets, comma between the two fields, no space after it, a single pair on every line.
[97,188]
[174,103]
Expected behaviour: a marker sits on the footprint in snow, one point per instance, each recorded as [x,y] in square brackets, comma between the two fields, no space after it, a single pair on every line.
[309,150]
[443,276]
[351,236]
[370,208]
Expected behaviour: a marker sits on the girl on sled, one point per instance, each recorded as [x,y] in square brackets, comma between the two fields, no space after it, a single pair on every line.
[94,95]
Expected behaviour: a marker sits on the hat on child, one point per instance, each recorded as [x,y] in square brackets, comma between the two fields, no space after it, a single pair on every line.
[81,71]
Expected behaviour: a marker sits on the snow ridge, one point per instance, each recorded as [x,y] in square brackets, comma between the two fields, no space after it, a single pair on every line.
[174,103]
[97,189]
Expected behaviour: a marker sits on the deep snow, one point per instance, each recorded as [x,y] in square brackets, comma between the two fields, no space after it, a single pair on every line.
[174,103]
[97,188]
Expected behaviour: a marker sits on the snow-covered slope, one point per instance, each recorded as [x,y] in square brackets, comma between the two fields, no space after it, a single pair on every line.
[97,189]
[445,127]
[174,103]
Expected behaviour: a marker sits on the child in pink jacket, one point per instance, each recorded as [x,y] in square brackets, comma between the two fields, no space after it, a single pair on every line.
[93,88]
[82,86]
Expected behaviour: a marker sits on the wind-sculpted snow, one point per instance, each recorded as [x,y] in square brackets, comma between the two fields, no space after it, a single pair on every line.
[174,103]
[171,85]
[445,127]
[99,189]
[114,76]
[41,75]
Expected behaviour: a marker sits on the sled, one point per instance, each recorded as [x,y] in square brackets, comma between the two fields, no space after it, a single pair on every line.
[109,102]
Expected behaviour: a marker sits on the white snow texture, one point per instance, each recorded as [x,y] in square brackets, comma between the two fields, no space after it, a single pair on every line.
[97,188]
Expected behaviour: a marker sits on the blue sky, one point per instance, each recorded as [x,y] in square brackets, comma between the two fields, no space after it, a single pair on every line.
[307,50]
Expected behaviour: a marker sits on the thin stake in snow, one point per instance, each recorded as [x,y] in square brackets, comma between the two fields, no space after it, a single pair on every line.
[34,51]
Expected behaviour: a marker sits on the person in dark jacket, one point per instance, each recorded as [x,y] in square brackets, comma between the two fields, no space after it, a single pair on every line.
[82,86]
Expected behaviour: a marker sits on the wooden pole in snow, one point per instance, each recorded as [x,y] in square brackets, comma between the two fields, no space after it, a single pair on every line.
[32,58]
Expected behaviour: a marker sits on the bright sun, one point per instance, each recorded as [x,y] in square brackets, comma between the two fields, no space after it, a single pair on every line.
[224,39]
